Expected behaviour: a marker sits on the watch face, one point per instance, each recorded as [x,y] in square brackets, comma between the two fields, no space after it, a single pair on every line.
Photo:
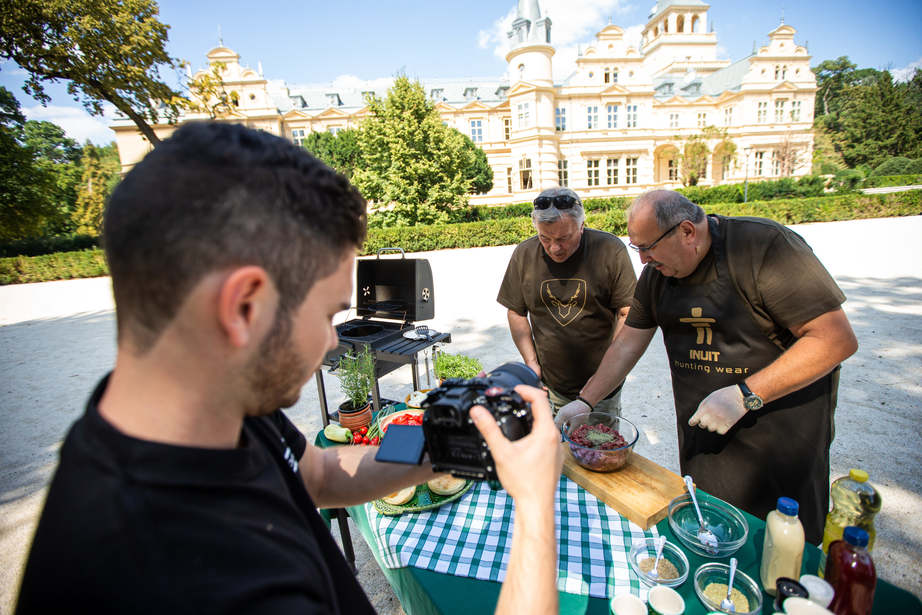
[753,402]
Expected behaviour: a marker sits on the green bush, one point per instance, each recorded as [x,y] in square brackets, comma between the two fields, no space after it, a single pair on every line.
[892,166]
[48,245]
[784,188]
[892,180]
[846,180]
[59,266]
[914,167]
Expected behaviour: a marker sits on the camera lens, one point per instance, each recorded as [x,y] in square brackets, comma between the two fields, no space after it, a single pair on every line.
[513,373]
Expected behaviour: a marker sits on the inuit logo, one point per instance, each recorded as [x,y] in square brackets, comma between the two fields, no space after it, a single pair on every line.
[703,325]
[564,298]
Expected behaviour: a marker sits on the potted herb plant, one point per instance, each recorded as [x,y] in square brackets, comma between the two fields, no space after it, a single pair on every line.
[356,373]
[456,366]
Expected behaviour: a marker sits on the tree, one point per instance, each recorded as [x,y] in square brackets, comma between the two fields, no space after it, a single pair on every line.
[208,94]
[60,156]
[340,151]
[832,76]
[91,197]
[106,51]
[479,170]
[413,166]
[787,156]
[694,153]
[25,207]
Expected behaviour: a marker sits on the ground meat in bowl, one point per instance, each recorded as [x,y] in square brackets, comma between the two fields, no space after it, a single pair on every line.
[599,437]
[601,444]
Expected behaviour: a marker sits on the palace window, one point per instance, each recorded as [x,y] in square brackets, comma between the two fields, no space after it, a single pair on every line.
[477,131]
[563,175]
[524,113]
[759,163]
[560,120]
[779,111]
[611,171]
[525,173]
[776,164]
[509,180]
[630,170]
[610,75]
[762,112]
[631,116]
[297,136]
[795,110]
[612,116]
[728,116]
[592,117]
[436,93]
[334,130]
[592,172]
[673,120]
[507,129]
[673,170]
[702,119]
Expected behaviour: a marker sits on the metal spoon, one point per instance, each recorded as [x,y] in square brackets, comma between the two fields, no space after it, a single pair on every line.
[705,536]
[726,604]
[654,573]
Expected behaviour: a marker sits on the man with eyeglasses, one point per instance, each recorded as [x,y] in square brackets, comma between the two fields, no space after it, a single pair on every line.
[567,291]
[755,333]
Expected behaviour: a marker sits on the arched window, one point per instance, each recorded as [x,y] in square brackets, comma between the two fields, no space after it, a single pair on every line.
[656,31]
[665,25]
[680,24]
[695,24]
[606,75]
[777,71]
[784,72]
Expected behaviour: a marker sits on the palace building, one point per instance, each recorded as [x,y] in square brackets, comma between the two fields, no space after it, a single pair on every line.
[616,126]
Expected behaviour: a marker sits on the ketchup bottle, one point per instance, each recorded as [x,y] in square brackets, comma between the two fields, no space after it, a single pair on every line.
[850,571]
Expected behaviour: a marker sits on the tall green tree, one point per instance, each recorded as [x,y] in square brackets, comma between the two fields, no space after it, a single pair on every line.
[25,185]
[695,152]
[91,197]
[60,156]
[341,151]
[105,50]
[413,166]
[479,170]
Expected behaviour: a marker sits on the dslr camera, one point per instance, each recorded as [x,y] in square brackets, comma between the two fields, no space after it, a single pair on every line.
[448,434]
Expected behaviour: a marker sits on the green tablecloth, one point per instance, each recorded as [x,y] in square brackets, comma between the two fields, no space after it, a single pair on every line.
[422,592]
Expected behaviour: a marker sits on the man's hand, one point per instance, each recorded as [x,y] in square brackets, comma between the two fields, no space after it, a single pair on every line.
[528,467]
[720,410]
[575,407]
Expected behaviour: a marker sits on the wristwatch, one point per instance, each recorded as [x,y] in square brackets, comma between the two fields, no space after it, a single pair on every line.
[750,400]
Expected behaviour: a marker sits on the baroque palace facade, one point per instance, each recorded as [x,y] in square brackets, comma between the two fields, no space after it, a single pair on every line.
[615,126]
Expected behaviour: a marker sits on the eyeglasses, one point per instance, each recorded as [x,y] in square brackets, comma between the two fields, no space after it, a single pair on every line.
[561,201]
[659,239]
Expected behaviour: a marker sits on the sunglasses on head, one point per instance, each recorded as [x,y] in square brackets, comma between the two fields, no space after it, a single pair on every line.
[561,201]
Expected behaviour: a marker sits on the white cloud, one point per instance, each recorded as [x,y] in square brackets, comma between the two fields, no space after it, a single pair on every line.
[76,122]
[574,24]
[351,82]
[906,73]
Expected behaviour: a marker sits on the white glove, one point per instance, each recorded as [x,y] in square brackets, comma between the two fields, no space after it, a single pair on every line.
[720,410]
[575,407]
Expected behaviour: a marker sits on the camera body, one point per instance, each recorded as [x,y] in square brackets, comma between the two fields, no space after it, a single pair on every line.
[451,438]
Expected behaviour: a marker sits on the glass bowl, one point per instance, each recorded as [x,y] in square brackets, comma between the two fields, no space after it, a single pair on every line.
[646,548]
[724,520]
[719,573]
[599,460]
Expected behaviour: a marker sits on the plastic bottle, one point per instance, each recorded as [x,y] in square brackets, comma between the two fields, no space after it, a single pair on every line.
[783,549]
[854,502]
[850,571]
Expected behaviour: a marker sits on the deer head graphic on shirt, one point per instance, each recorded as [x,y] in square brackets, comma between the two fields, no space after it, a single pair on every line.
[564,298]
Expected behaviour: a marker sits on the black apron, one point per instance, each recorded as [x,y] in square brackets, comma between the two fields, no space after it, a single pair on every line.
[713,341]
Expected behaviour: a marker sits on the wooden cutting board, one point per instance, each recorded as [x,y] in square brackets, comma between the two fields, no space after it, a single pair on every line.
[640,491]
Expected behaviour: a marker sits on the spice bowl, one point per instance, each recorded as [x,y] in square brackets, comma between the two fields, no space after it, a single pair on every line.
[673,566]
[715,574]
[595,458]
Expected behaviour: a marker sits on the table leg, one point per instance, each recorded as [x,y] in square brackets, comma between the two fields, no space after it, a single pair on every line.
[414,364]
[322,394]
[376,397]
[342,520]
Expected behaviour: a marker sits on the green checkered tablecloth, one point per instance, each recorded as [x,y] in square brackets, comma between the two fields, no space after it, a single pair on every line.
[471,538]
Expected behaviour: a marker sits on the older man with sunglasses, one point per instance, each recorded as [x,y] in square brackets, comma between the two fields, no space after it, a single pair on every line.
[567,290]
[755,332]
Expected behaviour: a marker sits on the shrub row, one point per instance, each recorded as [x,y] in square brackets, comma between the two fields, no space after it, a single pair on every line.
[891,180]
[507,231]
[784,188]
[48,245]
[898,165]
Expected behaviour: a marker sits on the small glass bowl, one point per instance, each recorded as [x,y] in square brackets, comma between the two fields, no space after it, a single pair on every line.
[724,520]
[671,553]
[595,459]
[715,572]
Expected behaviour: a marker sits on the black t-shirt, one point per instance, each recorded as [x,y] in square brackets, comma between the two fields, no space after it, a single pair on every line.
[132,526]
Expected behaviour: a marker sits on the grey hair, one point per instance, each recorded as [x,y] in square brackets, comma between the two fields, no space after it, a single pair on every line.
[669,207]
[552,214]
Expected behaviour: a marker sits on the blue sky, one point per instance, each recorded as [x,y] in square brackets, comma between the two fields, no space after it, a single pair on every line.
[312,42]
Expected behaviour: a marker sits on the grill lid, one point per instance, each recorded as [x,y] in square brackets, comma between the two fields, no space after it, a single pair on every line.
[395,288]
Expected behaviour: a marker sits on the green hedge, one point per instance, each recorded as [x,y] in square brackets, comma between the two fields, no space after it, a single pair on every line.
[48,245]
[784,188]
[508,231]
[885,181]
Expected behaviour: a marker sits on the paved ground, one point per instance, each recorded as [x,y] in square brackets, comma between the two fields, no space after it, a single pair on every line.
[57,340]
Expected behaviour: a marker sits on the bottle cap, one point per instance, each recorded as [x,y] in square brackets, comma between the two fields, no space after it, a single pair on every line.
[787,588]
[855,536]
[788,506]
[859,476]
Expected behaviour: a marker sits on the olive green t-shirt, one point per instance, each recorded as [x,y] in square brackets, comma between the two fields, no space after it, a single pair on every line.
[571,305]
[774,269]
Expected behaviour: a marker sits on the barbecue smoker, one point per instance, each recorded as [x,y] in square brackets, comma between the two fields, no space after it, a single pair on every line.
[391,295]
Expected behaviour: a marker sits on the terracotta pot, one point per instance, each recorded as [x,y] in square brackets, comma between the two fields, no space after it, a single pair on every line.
[354,419]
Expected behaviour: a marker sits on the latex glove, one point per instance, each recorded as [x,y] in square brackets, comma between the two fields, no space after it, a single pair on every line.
[572,409]
[720,410]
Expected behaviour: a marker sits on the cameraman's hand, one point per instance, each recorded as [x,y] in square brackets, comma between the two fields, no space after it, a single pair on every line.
[571,409]
[529,467]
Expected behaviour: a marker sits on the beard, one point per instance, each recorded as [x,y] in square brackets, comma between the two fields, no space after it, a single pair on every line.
[278,372]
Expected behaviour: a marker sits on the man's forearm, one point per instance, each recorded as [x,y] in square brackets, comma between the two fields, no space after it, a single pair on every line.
[626,348]
[531,579]
[520,329]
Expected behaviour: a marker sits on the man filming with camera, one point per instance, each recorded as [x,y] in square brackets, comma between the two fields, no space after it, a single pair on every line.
[184,487]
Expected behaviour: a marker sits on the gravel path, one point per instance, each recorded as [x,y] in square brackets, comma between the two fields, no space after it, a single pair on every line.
[58,338]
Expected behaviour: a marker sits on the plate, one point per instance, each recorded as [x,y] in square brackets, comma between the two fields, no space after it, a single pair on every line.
[386,420]
[407,398]
[423,500]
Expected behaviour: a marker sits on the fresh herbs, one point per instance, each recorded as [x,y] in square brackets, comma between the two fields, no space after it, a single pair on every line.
[456,366]
[356,373]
